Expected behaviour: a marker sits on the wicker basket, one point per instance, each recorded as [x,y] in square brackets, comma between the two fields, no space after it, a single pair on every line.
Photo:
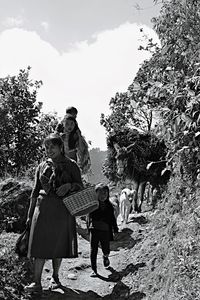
[83,202]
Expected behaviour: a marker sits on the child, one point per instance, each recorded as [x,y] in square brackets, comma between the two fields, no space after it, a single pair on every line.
[101,224]
[72,111]
[70,136]
[75,145]
[69,110]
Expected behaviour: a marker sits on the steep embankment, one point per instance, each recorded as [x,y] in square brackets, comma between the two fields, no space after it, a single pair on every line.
[155,257]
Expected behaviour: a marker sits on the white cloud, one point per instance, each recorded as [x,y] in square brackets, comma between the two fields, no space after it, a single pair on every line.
[86,77]
[13,21]
[45,25]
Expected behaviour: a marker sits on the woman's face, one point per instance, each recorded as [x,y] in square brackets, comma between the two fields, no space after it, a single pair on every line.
[52,151]
[102,194]
[69,125]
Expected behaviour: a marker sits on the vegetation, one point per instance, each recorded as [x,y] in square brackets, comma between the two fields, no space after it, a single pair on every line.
[97,160]
[22,125]
[166,87]
[14,272]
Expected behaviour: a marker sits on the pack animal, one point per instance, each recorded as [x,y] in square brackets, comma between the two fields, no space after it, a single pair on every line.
[155,173]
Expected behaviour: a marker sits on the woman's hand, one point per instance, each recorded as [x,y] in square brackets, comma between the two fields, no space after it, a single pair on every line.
[63,189]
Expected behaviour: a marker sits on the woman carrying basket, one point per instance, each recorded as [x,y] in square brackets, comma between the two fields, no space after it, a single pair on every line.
[53,230]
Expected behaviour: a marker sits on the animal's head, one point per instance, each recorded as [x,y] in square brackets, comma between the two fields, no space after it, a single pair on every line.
[129,193]
[121,157]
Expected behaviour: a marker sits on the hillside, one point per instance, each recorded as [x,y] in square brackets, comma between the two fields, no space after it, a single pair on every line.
[97,157]
[156,256]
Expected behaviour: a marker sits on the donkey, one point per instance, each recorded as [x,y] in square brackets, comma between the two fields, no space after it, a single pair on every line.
[154,172]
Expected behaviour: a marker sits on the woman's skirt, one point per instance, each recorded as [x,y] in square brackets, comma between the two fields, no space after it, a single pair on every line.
[53,230]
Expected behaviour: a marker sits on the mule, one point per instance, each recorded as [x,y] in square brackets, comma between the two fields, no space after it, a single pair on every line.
[155,173]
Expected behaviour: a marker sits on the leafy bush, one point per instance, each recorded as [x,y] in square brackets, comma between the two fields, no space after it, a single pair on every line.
[176,227]
[14,203]
[15,273]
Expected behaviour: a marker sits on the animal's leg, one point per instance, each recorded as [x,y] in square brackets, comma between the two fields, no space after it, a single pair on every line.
[135,199]
[155,196]
[127,211]
[122,210]
[141,195]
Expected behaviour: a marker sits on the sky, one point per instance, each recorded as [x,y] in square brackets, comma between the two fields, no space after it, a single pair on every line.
[84,51]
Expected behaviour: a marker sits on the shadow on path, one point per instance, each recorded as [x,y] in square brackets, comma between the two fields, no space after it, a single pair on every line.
[64,293]
[122,292]
[116,276]
[124,240]
[138,219]
[119,292]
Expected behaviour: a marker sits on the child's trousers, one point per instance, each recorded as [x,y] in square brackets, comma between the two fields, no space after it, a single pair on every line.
[97,236]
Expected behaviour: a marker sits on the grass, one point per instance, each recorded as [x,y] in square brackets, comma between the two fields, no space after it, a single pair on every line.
[14,272]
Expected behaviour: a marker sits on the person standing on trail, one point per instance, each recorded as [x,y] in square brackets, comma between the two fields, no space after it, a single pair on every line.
[53,229]
[101,223]
[75,144]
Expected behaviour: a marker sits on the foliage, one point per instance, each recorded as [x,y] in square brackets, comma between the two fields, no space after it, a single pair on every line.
[22,125]
[14,272]
[46,125]
[176,226]
[18,120]
[126,113]
[169,81]
[14,203]
[167,86]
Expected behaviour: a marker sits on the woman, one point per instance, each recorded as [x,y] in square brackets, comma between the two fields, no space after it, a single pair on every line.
[53,229]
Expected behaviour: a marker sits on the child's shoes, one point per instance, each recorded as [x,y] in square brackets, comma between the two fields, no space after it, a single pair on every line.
[106,261]
[93,274]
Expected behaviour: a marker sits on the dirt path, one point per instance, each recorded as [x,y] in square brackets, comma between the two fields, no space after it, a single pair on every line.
[111,283]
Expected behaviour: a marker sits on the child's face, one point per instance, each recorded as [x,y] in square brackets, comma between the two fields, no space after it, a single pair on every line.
[74,114]
[69,126]
[102,194]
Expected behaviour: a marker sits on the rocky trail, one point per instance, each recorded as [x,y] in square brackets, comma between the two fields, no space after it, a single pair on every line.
[119,281]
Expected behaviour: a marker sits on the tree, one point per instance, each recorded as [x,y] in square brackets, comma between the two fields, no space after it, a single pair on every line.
[126,113]
[19,113]
[170,82]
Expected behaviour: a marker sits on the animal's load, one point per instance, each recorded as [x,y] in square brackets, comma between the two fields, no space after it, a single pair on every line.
[130,147]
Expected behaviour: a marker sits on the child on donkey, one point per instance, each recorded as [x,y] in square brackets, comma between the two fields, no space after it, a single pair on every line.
[101,225]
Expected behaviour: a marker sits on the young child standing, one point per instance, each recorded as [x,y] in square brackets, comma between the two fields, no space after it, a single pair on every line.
[101,224]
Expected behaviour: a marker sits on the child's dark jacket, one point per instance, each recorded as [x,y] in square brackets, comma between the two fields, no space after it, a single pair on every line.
[103,215]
